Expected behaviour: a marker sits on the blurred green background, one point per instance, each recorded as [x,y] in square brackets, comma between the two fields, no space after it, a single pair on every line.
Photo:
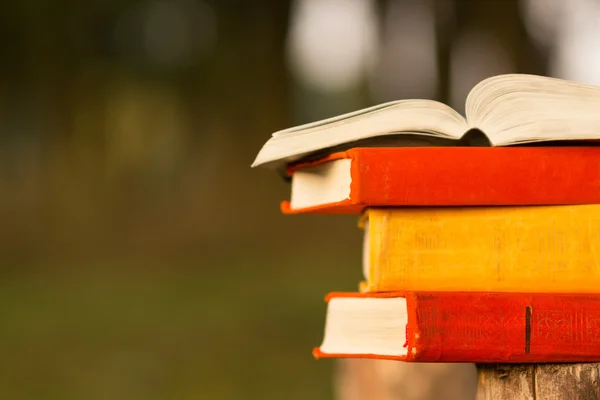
[141,256]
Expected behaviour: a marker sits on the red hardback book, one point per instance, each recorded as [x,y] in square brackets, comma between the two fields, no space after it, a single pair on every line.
[463,327]
[348,182]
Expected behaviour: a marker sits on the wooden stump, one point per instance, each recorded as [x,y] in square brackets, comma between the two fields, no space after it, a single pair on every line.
[538,381]
[365,379]
[358,379]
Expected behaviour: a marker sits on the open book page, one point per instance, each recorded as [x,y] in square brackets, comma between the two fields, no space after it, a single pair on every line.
[336,119]
[416,117]
[518,108]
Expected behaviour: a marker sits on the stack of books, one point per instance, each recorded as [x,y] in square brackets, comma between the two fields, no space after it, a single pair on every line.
[481,235]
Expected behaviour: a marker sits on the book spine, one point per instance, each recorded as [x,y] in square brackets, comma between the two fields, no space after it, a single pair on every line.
[505,249]
[462,176]
[503,327]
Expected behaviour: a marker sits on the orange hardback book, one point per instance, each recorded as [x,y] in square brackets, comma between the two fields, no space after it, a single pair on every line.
[348,182]
[485,327]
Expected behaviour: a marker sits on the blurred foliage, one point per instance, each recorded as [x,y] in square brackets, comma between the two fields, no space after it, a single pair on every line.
[102,143]
[185,336]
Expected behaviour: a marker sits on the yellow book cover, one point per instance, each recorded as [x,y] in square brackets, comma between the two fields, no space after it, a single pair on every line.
[511,249]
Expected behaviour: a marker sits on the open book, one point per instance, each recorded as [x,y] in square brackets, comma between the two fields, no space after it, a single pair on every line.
[509,109]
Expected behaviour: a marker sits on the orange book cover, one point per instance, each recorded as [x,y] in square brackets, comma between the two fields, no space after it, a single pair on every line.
[485,327]
[462,176]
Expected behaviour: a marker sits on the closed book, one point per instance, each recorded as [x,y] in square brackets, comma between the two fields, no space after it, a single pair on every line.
[506,249]
[350,181]
[463,327]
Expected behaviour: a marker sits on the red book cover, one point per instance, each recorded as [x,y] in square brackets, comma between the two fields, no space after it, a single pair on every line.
[493,327]
[463,176]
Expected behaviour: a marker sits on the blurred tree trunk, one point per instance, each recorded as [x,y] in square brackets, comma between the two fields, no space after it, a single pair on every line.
[243,95]
[500,19]
[358,379]
[251,60]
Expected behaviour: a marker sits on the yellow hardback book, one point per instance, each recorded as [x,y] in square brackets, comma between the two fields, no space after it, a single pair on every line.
[512,249]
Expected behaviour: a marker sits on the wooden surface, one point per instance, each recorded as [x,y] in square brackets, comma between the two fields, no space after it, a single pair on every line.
[364,379]
[538,381]
[358,379]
